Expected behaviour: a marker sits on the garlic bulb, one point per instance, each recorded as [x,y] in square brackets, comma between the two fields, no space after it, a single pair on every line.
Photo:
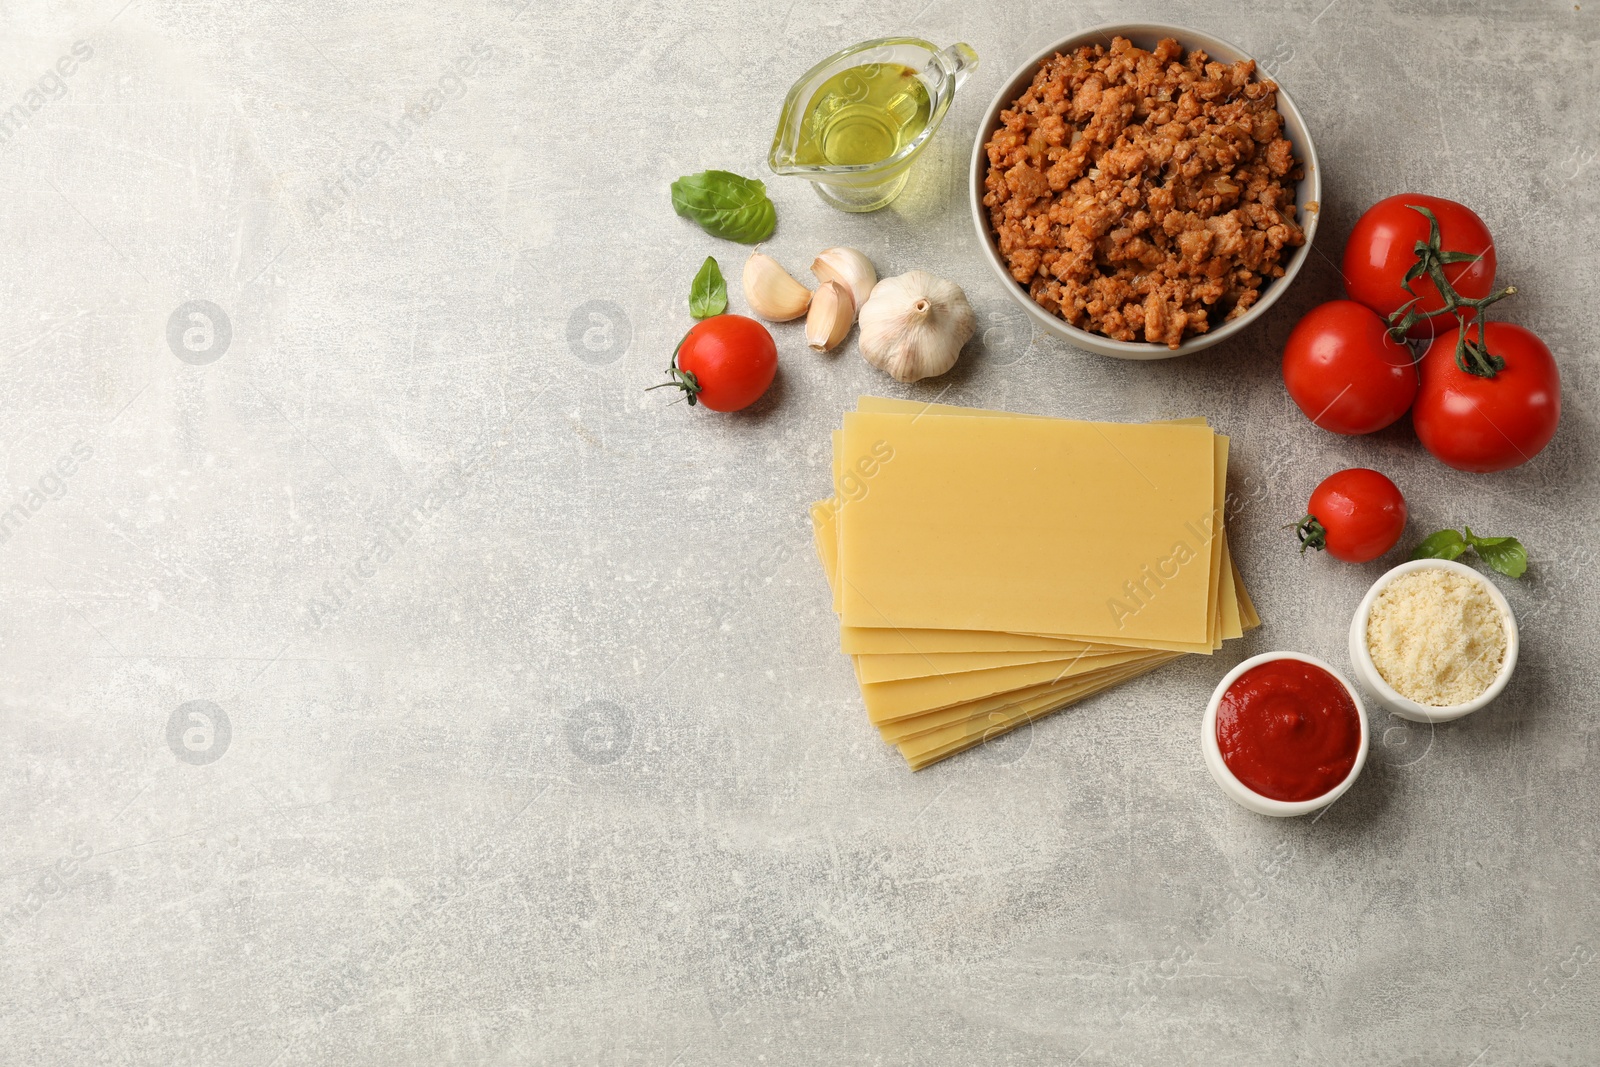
[913,326]
[850,269]
[832,311]
[772,293]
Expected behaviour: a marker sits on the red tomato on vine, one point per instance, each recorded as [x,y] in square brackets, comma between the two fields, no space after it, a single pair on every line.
[1382,251]
[1483,423]
[1344,370]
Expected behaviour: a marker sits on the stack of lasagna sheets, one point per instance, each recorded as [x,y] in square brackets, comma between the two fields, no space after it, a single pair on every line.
[989,568]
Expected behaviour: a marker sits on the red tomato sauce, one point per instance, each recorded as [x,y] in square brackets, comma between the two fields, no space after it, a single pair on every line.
[1288,730]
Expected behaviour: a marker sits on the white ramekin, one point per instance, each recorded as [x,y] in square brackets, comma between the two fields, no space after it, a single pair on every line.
[1382,693]
[1242,794]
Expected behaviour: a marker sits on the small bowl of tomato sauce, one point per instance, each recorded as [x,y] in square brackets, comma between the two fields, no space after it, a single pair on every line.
[1284,734]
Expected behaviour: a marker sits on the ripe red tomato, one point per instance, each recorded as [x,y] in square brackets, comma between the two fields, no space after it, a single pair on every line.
[1489,424]
[1344,370]
[725,362]
[1382,247]
[1356,514]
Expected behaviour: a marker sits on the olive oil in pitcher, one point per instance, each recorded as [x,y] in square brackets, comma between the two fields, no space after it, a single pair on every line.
[854,124]
[863,115]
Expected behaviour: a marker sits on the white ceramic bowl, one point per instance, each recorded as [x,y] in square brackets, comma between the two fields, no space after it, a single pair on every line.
[1382,693]
[1308,198]
[1243,794]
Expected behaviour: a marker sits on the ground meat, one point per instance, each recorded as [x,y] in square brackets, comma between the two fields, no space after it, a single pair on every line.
[1143,195]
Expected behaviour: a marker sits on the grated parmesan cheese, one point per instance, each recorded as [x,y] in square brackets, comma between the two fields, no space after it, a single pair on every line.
[1436,636]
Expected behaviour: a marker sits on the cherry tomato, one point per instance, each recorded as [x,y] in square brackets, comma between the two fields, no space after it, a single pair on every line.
[1356,515]
[725,362]
[1345,371]
[1382,247]
[1489,424]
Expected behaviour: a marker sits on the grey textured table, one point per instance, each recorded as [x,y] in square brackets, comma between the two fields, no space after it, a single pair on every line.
[524,736]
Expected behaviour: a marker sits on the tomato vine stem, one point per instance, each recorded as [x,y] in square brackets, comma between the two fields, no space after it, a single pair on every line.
[1312,534]
[680,379]
[1472,355]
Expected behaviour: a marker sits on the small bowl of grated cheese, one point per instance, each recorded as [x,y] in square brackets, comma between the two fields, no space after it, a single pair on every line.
[1433,640]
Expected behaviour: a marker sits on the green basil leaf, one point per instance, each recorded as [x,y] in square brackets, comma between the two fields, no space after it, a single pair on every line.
[1478,542]
[726,205]
[1445,544]
[708,295]
[1504,554]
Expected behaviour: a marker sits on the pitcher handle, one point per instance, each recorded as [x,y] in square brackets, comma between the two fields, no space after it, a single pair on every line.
[956,63]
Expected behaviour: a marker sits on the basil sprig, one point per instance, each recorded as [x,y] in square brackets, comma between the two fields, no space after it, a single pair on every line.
[708,293]
[1504,554]
[726,205]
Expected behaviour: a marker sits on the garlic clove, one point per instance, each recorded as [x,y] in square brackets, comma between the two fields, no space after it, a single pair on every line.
[772,292]
[833,309]
[913,326]
[850,269]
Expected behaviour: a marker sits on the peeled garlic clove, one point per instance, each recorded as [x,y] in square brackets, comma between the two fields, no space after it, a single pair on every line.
[913,326]
[772,293]
[832,312]
[850,269]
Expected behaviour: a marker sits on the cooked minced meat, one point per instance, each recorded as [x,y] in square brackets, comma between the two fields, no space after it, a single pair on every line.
[1143,195]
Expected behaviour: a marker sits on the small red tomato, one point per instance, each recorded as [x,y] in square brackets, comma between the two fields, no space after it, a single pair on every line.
[1356,514]
[1489,424]
[1382,247]
[1344,370]
[725,362]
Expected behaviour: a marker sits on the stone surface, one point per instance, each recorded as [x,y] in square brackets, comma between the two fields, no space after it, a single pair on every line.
[392,680]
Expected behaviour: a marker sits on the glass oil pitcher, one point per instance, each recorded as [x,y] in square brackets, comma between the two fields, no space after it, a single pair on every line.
[856,122]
